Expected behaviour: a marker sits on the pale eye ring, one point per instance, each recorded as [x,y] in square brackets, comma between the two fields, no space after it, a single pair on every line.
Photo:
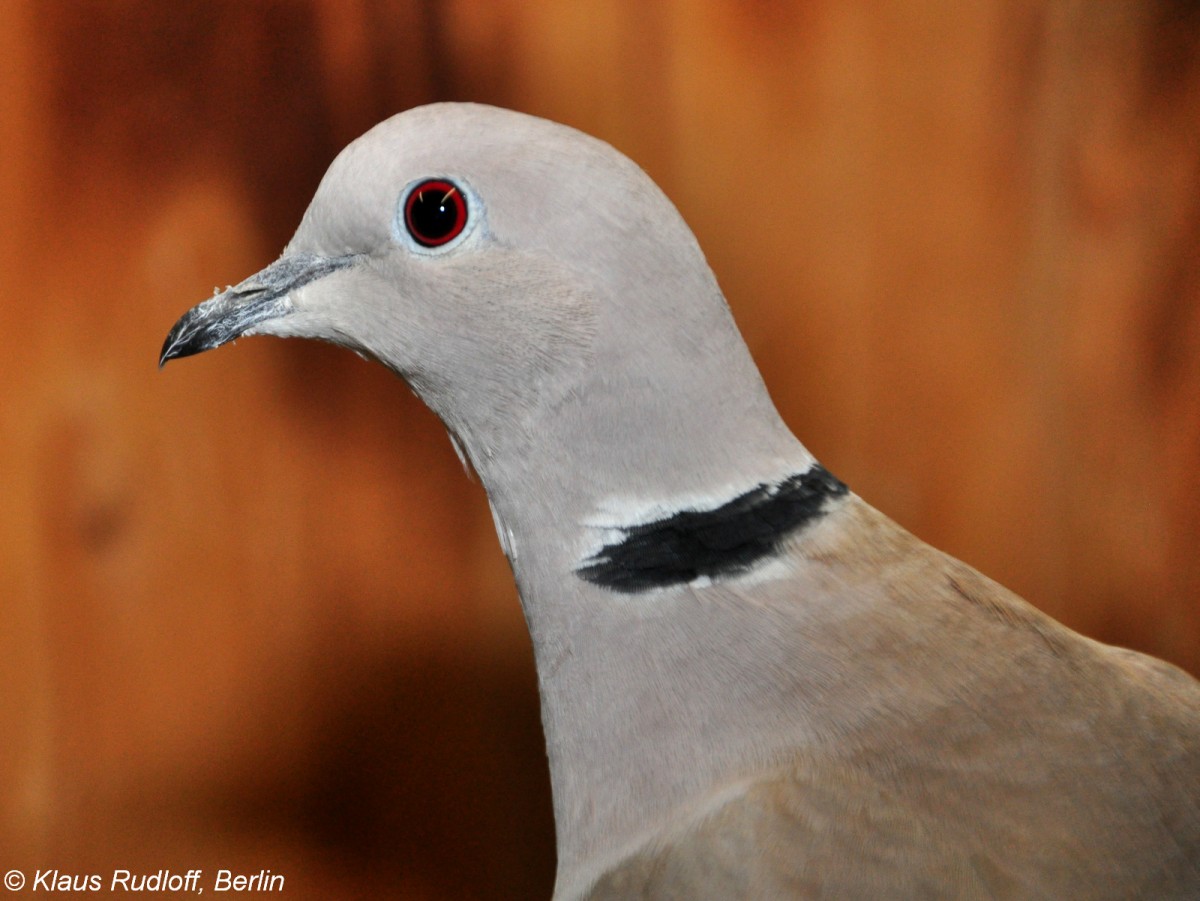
[435,212]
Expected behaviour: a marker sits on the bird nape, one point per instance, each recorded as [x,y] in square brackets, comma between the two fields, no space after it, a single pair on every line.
[753,683]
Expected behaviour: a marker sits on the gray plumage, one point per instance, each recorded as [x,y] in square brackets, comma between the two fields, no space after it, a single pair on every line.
[753,684]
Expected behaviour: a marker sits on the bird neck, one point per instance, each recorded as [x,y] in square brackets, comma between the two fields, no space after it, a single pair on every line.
[636,687]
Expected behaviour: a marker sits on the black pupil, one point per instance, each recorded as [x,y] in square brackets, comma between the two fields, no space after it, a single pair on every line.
[434,213]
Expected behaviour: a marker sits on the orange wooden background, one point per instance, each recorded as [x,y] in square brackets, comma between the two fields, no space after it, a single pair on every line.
[254,615]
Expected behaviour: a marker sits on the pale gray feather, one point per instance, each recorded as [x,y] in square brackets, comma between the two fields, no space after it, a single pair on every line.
[833,710]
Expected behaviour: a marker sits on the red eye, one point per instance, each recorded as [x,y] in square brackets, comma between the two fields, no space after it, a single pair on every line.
[435,212]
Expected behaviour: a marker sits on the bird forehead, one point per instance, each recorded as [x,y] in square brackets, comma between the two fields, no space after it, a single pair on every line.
[536,182]
[499,151]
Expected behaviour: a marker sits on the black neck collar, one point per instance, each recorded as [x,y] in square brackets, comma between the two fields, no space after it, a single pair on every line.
[730,539]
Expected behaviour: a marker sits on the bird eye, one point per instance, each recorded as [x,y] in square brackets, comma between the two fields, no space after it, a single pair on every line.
[435,212]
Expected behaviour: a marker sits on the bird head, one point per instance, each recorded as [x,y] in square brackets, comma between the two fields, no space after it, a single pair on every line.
[507,267]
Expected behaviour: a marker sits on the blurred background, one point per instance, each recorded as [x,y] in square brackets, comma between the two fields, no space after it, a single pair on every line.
[253,614]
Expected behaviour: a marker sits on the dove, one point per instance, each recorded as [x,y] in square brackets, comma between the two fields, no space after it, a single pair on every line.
[753,684]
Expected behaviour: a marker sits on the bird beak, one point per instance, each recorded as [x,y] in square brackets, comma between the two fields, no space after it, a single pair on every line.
[235,311]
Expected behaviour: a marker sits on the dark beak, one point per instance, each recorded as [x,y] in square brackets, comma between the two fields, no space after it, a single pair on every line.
[231,313]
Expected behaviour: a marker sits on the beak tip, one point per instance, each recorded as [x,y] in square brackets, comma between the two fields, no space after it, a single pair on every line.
[174,346]
[239,310]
